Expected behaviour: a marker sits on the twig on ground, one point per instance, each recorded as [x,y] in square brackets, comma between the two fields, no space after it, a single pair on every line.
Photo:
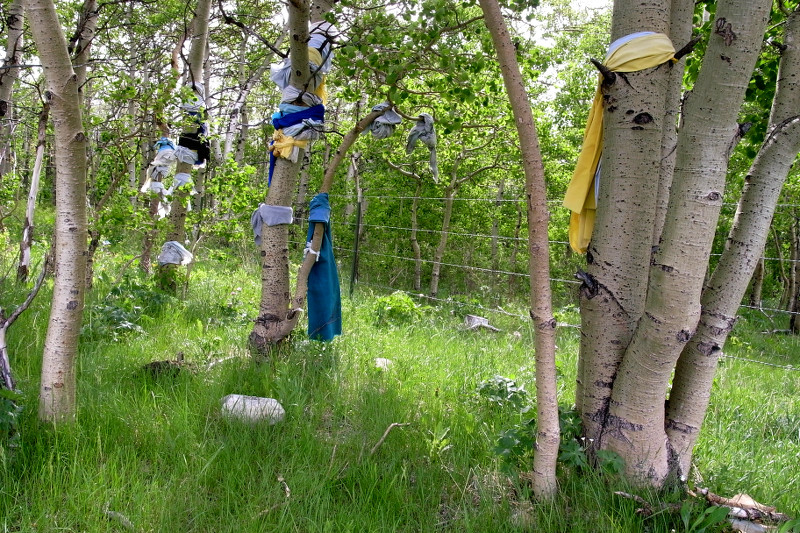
[386,434]
[119,517]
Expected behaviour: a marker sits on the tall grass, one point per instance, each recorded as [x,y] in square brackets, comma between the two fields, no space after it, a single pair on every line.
[154,453]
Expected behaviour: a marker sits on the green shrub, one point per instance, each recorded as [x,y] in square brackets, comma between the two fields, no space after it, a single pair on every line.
[396,308]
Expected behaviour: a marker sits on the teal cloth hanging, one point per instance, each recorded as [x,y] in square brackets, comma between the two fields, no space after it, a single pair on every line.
[324,297]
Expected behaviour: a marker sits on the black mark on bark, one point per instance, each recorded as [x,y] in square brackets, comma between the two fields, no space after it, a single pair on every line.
[589,287]
[643,118]
[724,29]
[680,427]
[708,348]
[630,112]
[72,305]
[725,59]
[713,196]
[654,319]
[637,128]
[614,426]
[683,335]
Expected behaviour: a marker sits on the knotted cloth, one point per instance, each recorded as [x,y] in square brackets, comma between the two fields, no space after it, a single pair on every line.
[634,52]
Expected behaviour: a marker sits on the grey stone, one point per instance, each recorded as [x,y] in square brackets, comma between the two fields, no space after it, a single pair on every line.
[253,408]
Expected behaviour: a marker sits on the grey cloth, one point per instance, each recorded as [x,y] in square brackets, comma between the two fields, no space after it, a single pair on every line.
[424,131]
[383,126]
[173,253]
[186,155]
[321,36]
[308,130]
[290,94]
[271,215]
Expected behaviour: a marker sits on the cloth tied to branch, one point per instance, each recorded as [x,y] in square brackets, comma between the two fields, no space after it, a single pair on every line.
[196,140]
[424,131]
[321,36]
[174,253]
[383,126]
[306,123]
[634,52]
[161,164]
[271,215]
[324,296]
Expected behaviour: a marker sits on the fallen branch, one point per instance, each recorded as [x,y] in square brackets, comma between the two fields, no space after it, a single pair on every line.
[742,506]
[386,434]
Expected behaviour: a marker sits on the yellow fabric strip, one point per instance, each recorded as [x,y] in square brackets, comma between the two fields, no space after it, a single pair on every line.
[284,144]
[315,57]
[639,53]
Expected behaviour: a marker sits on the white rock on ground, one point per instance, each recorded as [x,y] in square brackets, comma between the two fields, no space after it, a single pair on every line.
[253,408]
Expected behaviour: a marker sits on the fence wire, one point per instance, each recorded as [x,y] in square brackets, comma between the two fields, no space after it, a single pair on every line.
[391,286]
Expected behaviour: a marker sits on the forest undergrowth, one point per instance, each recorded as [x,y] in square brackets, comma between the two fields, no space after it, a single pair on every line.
[151,451]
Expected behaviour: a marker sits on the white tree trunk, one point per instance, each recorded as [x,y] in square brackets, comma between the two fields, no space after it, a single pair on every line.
[8,76]
[24,267]
[722,295]
[634,426]
[57,392]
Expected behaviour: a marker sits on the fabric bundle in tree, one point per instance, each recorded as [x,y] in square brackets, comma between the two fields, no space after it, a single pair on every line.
[383,126]
[194,138]
[174,253]
[634,52]
[324,296]
[321,36]
[424,131]
[305,123]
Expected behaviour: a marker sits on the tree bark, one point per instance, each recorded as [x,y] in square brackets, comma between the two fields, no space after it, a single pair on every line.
[548,435]
[8,76]
[635,424]
[613,300]
[195,59]
[722,295]
[57,392]
[23,269]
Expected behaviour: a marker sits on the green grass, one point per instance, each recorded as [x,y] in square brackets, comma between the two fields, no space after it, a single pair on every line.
[156,450]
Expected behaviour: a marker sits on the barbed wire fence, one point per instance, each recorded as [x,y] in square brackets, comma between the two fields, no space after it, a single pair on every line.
[384,261]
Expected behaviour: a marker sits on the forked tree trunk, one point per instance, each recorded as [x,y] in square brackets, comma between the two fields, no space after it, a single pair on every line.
[618,257]
[438,255]
[548,436]
[57,391]
[631,421]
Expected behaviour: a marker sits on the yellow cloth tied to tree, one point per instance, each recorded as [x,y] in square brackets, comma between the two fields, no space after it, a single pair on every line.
[637,51]
[315,57]
[283,145]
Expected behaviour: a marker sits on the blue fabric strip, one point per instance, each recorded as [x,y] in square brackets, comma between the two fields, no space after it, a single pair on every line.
[324,296]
